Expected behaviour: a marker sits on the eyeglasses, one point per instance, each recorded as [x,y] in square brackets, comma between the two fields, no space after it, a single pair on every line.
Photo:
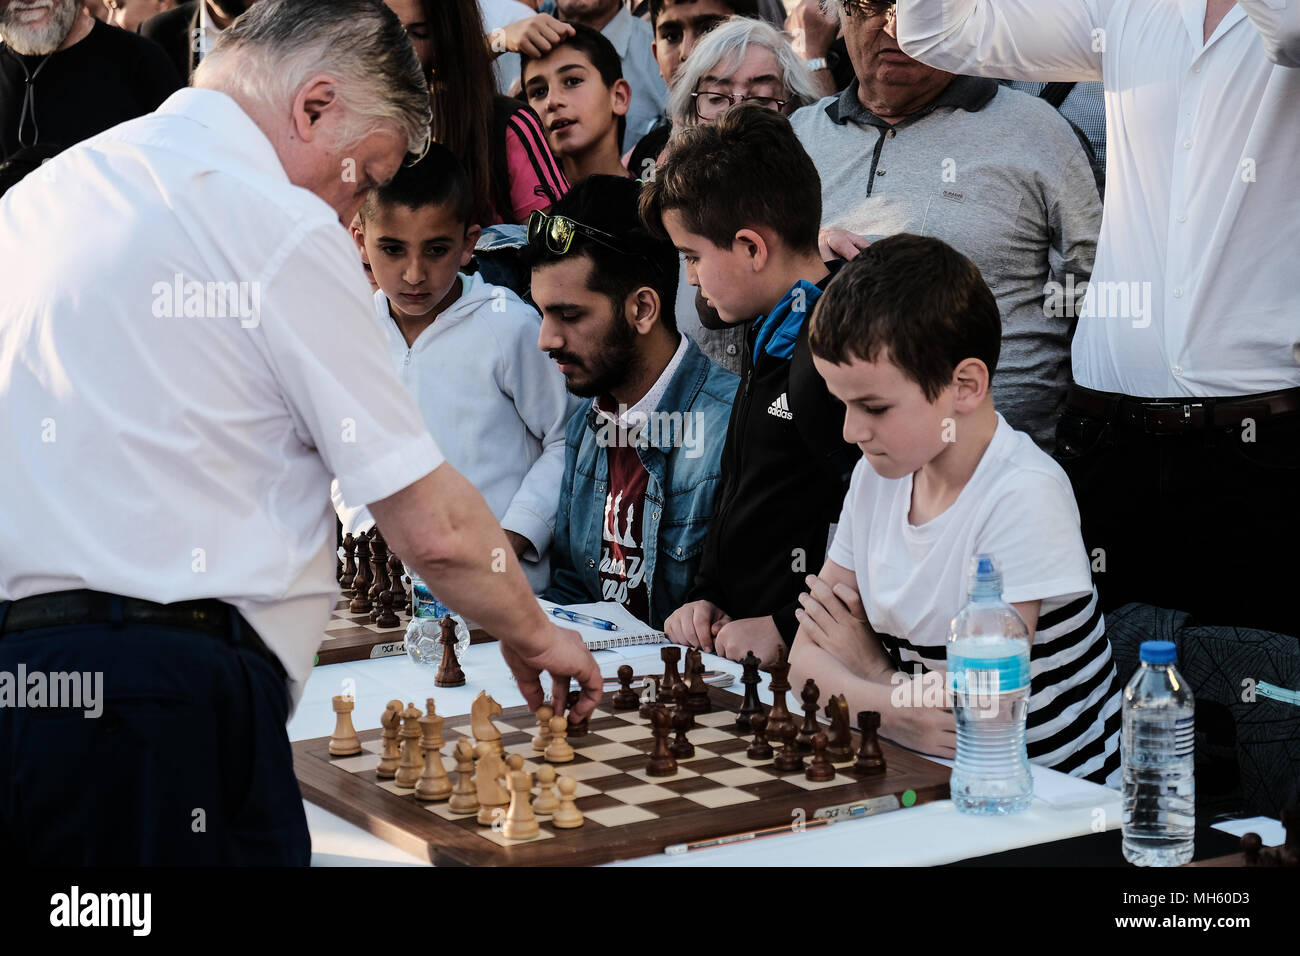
[558,232]
[710,104]
[870,9]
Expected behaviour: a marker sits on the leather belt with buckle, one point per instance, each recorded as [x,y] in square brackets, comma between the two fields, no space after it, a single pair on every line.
[1176,415]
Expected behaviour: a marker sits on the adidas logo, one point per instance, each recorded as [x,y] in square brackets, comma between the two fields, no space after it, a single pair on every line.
[780,408]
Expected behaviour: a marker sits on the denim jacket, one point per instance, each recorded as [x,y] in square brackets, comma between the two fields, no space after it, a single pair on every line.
[685,472]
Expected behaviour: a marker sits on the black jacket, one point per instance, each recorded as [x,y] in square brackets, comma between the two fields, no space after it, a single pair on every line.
[174,31]
[785,470]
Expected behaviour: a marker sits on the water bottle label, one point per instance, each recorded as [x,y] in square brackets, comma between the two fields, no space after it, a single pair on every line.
[426,605]
[988,675]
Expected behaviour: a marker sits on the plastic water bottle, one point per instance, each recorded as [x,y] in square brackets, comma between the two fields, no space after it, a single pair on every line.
[1158,750]
[423,633]
[988,667]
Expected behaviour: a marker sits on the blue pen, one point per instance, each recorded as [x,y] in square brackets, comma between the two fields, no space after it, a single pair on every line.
[587,619]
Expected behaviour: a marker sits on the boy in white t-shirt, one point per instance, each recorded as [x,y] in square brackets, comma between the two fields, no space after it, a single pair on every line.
[907,336]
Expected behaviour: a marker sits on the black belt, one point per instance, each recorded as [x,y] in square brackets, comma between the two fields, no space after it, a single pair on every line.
[62,608]
[1180,415]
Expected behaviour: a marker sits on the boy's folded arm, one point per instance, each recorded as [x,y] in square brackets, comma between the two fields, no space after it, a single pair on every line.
[903,717]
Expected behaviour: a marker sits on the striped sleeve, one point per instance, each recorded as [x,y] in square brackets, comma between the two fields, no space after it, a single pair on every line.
[536,179]
[1074,701]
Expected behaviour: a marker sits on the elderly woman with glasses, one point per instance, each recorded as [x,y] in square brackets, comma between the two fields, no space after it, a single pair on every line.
[738,61]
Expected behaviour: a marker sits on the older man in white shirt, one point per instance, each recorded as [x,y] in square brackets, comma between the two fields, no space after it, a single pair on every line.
[1183,437]
[186,358]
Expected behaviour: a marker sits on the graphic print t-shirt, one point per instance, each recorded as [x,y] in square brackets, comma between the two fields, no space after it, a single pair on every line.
[622,552]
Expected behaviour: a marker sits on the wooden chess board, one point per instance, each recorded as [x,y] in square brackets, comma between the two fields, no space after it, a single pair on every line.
[354,637]
[628,814]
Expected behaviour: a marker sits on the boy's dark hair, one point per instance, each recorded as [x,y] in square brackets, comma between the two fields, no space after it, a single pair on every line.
[916,296]
[437,179]
[739,8]
[747,169]
[609,204]
[597,48]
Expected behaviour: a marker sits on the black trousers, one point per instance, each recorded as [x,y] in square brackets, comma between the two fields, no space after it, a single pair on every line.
[187,762]
[1205,521]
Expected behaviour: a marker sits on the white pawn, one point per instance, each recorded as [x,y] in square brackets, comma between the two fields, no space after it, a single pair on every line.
[559,750]
[568,815]
[543,738]
[520,822]
[546,801]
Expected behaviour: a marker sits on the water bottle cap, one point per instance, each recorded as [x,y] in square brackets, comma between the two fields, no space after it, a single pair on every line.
[985,577]
[1158,652]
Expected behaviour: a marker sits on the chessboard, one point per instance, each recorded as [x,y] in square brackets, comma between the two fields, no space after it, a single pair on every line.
[627,813]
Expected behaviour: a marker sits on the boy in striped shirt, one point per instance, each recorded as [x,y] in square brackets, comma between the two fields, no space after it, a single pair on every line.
[907,335]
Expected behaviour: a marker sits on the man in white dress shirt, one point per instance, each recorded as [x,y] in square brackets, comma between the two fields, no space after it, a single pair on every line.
[186,359]
[1182,437]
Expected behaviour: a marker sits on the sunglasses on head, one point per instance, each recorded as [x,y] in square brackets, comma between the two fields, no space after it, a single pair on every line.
[558,233]
[869,9]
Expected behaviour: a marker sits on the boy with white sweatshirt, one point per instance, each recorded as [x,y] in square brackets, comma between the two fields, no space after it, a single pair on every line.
[467,351]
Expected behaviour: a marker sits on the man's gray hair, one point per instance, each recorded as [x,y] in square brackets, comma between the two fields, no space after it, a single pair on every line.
[727,42]
[269,52]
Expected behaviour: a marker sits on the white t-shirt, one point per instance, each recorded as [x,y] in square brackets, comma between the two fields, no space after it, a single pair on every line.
[1017,506]
[186,358]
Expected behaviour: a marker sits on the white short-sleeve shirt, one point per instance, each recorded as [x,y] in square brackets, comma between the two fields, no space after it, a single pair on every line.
[186,358]
[1017,506]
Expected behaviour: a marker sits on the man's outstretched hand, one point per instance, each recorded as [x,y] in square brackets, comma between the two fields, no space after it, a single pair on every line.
[565,657]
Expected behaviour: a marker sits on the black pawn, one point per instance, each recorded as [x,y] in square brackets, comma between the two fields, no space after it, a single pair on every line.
[682,748]
[751,679]
[626,698]
[871,760]
[789,759]
[760,749]
[821,769]
[579,729]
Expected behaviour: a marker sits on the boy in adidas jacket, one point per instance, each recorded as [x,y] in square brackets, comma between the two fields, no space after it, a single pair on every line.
[741,200]
[467,351]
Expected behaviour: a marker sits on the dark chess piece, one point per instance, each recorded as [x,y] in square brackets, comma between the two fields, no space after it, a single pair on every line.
[581,727]
[396,573]
[789,759]
[682,748]
[810,695]
[449,673]
[821,769]
[680,696]
[871,760]
[378,571]
[626,698]
[840,749]
[349,564]
[662,762]
[779,715]
[386,617]
[751,679]
[760,749]
[668,686]
[650,697]
[697,696]
[1251,845]
[361,583]
[1287,855]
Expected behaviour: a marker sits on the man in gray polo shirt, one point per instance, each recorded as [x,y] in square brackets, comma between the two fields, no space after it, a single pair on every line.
[995,173]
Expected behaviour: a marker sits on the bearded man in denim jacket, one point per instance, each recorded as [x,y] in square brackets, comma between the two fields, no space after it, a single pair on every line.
[642,462]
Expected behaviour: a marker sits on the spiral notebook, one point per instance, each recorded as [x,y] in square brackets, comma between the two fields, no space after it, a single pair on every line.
[630,631]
